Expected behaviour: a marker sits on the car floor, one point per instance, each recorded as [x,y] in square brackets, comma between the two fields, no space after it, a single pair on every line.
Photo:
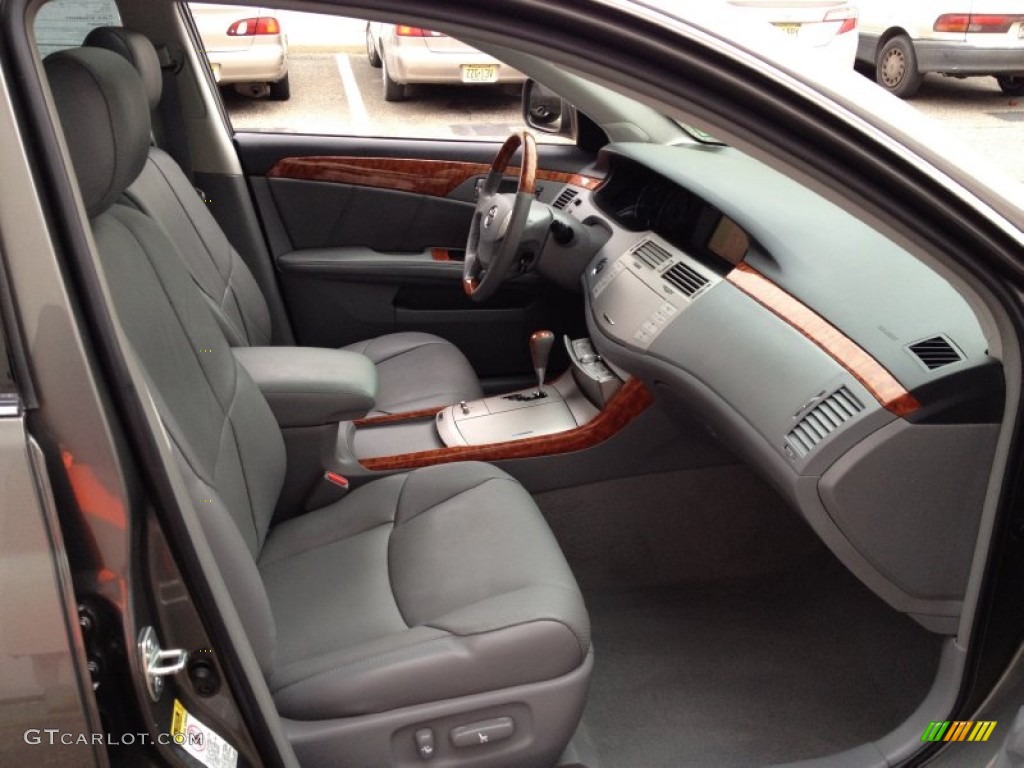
[725,634]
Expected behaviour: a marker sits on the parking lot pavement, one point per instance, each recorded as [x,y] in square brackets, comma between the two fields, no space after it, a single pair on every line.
[340,93]
[975,111]
[321,103]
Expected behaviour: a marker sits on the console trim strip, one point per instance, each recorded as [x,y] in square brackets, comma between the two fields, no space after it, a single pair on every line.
[628,403]
[882,385]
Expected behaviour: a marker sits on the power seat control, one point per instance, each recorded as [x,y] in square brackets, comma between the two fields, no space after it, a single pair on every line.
[484,732]
[424,743]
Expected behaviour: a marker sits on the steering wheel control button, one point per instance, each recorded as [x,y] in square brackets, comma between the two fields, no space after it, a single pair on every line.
[484,732]
[425,743]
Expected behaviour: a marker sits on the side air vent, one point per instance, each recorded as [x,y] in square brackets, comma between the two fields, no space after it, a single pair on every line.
[651,254]
[822,420]
[935,352]
[686,279]
[567,196]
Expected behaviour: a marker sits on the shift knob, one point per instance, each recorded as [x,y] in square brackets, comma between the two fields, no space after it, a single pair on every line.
[540,350]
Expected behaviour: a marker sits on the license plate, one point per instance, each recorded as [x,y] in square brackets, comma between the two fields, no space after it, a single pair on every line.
[479,73]
[216,72]
[789,29]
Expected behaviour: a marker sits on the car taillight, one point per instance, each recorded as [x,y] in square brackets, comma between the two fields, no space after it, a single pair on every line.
[404,30]
[847,15]
[262,25]
[976,22]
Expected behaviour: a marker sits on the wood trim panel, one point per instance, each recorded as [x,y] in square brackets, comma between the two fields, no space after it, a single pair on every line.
[876,379]
[628,403]
[391,418]
[437,178]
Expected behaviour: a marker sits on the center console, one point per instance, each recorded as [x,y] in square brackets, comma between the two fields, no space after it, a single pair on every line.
[319,395]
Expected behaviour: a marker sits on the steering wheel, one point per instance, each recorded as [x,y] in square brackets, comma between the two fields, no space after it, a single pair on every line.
[499,219]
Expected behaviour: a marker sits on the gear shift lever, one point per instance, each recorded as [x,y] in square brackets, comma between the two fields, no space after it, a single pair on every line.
[540,350]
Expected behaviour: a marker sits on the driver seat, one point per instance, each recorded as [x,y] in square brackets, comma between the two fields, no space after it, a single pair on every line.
[414,370]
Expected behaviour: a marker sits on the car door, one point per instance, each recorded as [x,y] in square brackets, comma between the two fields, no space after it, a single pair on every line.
[366,204]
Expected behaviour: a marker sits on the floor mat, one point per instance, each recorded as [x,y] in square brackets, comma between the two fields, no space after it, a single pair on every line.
[754,672]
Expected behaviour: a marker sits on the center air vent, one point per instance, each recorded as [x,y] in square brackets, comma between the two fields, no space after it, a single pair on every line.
[822,420]
[685,278]
[935,352]
[651,254]
[567,196]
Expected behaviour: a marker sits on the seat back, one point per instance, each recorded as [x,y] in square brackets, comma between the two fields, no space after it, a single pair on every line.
[164,192]
[229,447]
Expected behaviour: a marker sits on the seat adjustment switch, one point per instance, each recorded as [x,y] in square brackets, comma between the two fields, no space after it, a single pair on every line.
[424,743]
[484,732]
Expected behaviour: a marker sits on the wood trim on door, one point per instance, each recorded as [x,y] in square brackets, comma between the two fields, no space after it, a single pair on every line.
[437,178]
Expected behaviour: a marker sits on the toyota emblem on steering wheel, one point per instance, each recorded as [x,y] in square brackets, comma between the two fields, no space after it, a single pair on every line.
[491,216]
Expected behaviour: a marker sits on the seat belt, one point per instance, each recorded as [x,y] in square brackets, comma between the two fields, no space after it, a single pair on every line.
[171,135]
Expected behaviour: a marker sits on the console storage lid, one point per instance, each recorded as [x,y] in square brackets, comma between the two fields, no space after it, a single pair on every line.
[308,386]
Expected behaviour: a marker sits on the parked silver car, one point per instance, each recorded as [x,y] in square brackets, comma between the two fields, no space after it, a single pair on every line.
[408,54]
[246,48]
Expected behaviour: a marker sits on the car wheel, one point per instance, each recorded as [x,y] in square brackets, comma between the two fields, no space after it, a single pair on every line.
[392,91]
[281,90]
[896,67]
[371,49]
[1011,85]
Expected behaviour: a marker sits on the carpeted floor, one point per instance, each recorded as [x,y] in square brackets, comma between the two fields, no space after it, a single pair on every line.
[742,660]
[750,673]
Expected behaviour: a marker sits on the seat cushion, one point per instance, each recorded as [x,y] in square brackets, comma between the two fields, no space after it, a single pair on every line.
[418,587]
[417,370]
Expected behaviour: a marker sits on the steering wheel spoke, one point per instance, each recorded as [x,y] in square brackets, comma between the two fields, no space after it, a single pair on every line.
[499,219]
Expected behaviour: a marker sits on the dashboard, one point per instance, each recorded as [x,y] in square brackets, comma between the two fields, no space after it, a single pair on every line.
[854,377]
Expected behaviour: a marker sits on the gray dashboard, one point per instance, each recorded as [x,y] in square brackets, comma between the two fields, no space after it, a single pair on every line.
[762,371]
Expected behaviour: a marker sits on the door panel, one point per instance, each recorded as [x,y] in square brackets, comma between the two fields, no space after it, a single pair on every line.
[367,235]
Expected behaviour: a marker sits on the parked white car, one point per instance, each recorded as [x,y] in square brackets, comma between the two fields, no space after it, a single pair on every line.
[246,47]
[829,27]
[408,54]
[906,39]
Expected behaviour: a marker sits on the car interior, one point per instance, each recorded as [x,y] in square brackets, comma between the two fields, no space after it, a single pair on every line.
[628,449]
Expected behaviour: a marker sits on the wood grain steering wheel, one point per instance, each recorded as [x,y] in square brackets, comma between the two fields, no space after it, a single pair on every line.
[499,219]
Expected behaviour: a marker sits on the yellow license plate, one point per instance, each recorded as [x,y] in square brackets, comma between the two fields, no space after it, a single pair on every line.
[789,29]
[479,73]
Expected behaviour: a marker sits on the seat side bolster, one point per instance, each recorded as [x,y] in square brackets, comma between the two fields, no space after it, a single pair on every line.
[438,668]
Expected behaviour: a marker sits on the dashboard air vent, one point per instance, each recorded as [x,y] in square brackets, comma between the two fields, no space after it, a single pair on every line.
[652,254]
[567,196]
[685,278]
[935,352]
[822,420]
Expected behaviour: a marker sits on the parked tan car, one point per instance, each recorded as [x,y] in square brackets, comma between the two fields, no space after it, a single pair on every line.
[246,48]
[408,54]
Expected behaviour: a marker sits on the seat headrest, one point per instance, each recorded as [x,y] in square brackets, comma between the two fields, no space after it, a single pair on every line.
[105,115]
[140,53]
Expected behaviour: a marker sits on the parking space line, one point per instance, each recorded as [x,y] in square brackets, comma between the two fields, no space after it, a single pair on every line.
[356,107]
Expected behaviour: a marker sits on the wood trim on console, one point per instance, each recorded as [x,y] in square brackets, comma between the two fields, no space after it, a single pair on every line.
[425,177]
[628,403]
[876,379]
[391,418]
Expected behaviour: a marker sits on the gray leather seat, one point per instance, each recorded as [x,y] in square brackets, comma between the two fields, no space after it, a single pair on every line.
[414,370]
[428,599]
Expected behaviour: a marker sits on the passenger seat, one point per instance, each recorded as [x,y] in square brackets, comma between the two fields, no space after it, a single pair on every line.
[414,370]
[422,610]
